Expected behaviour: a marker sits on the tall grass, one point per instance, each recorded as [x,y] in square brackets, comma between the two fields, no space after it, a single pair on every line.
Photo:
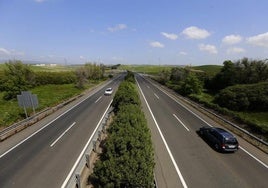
[48,96]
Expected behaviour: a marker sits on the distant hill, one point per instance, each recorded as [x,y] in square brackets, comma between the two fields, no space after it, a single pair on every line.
[211,70]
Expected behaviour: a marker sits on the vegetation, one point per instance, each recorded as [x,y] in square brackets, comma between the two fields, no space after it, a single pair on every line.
[237,89]
[127,160]
[16,78]
[146,69]
[51,87]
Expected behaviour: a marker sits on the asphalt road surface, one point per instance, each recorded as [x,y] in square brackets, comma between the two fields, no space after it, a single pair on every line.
[45,156]
[183,159]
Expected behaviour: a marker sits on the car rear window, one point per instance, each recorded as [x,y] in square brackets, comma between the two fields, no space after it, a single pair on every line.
[230,141]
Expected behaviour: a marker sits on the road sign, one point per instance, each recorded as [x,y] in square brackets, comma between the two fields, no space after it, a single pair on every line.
[27,100]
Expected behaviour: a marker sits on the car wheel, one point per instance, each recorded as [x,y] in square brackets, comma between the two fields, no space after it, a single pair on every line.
[217,147]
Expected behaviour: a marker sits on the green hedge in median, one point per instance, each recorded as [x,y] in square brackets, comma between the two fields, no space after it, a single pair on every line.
[127,159]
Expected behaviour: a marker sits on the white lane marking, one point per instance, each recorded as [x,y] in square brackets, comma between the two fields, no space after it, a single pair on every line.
[181,122]
[84,149]
[265,165]
[156,96]
[98,99]
[21,142]
[162,136]
[62,134]
[148,86]
[258,160]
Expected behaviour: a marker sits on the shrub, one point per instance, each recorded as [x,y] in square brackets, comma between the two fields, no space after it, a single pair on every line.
[253,97]
[127,160]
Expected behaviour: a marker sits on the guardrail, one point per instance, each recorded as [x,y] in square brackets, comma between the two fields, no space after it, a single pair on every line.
[86,157]
[198,106]
[19,126]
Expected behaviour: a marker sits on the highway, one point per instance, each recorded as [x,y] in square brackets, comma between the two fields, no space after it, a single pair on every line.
[183,159]
[43,154]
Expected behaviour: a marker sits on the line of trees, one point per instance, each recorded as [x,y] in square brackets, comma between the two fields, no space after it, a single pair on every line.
[19,77]
[240,85]
[244,71]
[127,159]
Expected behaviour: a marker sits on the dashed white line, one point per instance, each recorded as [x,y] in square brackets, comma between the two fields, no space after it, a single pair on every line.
[98,99]
[156,96]
[181,122]
[258,160]
[62,134]
[162,136]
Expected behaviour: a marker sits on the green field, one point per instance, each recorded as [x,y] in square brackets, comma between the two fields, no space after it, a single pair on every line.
[49,68]
[211,70]
[48,96]
[155,69]
[146,69]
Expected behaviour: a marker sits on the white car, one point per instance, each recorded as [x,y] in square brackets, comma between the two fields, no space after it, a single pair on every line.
[108,91]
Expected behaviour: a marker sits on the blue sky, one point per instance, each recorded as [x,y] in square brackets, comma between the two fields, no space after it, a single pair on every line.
[177,32]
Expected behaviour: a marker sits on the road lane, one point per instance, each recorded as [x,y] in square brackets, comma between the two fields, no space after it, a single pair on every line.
[199,163]
[35,164]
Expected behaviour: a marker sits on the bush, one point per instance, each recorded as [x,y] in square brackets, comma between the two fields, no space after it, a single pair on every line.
[44,78]
[253,97]
[127,160]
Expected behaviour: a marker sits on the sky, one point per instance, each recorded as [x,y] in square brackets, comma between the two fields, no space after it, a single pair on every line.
[160,32]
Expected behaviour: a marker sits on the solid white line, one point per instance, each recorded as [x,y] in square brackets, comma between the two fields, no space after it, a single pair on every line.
[162,136]
[266,166]
[156,96]
[98,99]
[258,160]
[84,149]
[62,134]
[21,142]
[181,122]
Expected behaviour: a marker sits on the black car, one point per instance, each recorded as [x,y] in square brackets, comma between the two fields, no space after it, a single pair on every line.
[219,138]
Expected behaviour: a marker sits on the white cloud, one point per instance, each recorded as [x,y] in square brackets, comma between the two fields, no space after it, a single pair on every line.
[4,51]
[208,48]
[170,36]
[117,27]
[235,50]
[232,39]
[183,53]
[39,1]
[195,33]
[259,40]
[81,57]
[157,44]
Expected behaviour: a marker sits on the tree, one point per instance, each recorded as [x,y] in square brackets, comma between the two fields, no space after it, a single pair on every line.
[164,76]
[94,71]
[17,77]
[191,85]
[177,74]
[81,75]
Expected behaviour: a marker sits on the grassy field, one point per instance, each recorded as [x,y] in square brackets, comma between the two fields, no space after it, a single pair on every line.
[48,96]
[48,68]
[155,69]
[147,69]
[209,69]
